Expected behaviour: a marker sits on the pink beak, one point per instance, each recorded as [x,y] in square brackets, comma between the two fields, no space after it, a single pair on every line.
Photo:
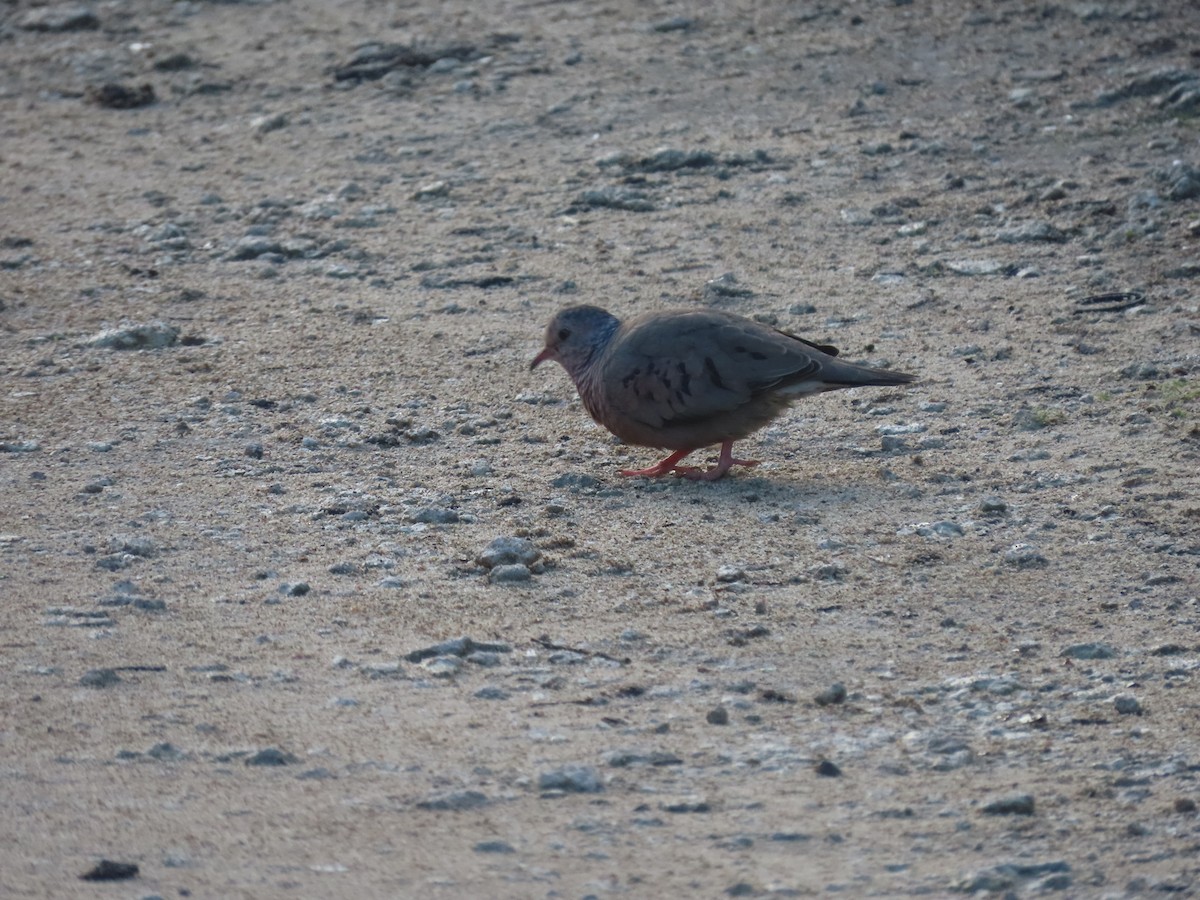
[546,354]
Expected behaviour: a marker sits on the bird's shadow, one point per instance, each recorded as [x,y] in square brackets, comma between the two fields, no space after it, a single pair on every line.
[819,489]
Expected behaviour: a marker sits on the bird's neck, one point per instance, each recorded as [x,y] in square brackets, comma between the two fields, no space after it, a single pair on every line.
[587,367]
[590,384]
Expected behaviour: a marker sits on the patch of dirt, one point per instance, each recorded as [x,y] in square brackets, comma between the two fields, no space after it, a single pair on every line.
[271,277]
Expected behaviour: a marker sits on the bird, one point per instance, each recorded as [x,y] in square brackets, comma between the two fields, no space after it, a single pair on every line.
[686,379]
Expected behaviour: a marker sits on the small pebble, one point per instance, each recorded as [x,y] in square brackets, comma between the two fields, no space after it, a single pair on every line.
[1127,705]
[382,670]
[572,779]
[718,715]
[455,801]
[99,678]
[975,267]
[65,17]
[1024,556]
[109,870]
[460,646]
[166,752]
[491,692]
[150,336]
[1095,650]
[1016,805]
[509,574]
[432,190]
[270,756]
[484,658]
[508,551]
[443,666]
[435,515]
[832,695]
[729,574]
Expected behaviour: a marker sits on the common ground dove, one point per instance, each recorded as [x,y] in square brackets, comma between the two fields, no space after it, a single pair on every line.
[686,379]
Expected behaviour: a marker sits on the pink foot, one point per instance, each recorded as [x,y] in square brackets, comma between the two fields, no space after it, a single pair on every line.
[670,466]
[725,462]
[666,467]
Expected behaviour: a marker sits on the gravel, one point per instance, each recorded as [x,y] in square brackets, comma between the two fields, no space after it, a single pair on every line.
[281,489]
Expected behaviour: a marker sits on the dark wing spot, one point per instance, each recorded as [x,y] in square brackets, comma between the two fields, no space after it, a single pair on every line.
[685,380]
[753,354]
[630,378]
[714,376]
[824,348]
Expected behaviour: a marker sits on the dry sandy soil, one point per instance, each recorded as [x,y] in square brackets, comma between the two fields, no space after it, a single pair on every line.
[268,295]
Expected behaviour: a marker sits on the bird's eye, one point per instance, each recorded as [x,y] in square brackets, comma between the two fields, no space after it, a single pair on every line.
[564,333]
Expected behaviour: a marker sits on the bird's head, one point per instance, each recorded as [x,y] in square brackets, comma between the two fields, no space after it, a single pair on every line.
[574,336]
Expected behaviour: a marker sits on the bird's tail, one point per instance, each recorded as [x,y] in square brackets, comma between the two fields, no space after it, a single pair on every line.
[865,376]
[834,374]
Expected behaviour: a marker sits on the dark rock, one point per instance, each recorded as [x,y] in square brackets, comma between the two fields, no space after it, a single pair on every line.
[1146,85]
[1016,805]
[121,96]
[674,23]
[149,336]
[572,779]
[684,808]
[718,715]
[455,801]
[668,160]
[462,646]
[372,61]
[1093,650]
[790,837]
[624,758]
[110,870]
[509,573]
[166,752]
[59,18]
[271,756]
[832,695]
[434,515]
[575,482]
[621,198]
[100,678]
[504,551]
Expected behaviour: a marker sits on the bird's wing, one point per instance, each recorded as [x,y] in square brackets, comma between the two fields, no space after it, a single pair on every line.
[679,369]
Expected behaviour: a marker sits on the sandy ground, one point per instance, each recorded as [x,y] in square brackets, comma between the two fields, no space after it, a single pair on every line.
[268,295]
